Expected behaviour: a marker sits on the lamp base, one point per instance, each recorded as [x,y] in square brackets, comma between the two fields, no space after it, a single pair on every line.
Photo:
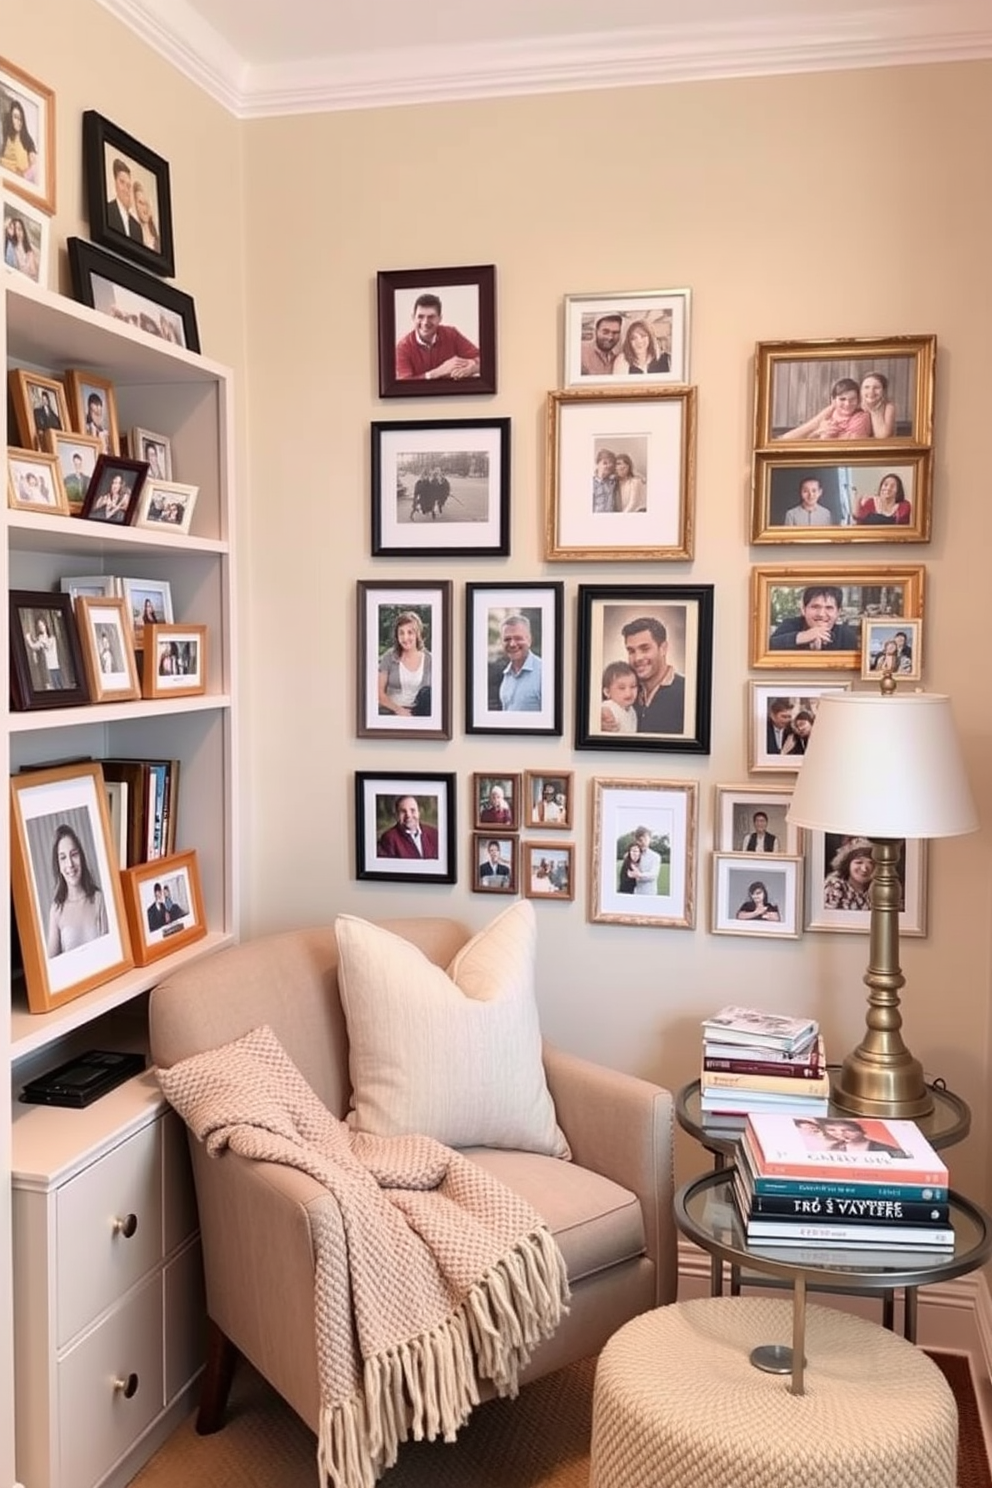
[880,1084]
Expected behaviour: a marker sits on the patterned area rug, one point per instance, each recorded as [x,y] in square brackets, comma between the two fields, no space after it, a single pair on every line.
[540,1440]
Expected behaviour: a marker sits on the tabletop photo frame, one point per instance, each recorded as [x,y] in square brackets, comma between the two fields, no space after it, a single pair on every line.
[46,663]
[403,666]
[513,658]
[148,602]
[644,852]
[437,331]
[811,618]
[164,904]
[39,404]
[174,661]
[93,408]
[27,120]
[126,293]
[114,490]
[77,456]
[392,811]
[128,197]
[166,506]
[108,656]
[642,333]
[34,483]
[441,487]
[27,237]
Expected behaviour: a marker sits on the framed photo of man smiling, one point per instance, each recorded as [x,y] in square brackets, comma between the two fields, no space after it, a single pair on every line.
[437,331]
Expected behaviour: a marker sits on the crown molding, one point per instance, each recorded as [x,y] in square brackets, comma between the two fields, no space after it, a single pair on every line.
[894,35]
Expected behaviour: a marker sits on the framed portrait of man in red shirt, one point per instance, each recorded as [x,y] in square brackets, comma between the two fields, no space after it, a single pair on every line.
[437,331]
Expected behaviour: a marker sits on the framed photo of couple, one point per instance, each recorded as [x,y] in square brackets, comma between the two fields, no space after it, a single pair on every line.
[620,474]
[128,197]
[644,853]
[642,333]
[812,617]
[781,716]
[645,658]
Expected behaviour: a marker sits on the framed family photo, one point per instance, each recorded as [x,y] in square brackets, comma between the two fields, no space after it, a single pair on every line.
[404,659]
[496,801]
[513,658]
[856,499]
[164,905]
[548,870]
[441,487]
[93,408]
[812,617]
[892,649]
[166,506]
[174,661]
[127,195]
[495,863]
[405,827]
[869,389]
[642,334]
[113,490]
[26,238]
[148,602]
[46,664]
[437,331]
[645,659]
[549,799]
[839,872]
[121,290]
[757,898]
[108,656]
[620,474]
[644,852]
[65,883]
[34,483]
[38,404]
[77,455]
[751,819]
[780,719]
[27,126]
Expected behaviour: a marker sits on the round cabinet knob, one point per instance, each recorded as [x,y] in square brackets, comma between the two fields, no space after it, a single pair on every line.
[126,1226]
[128,1386]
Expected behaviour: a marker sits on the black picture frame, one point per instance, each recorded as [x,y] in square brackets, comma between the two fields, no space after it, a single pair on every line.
[382,606]
[470,292]
[488,607]
[105,472]
[685,613]
[466,514]
[97,276]
[380,851]
[34,683]
[105,146]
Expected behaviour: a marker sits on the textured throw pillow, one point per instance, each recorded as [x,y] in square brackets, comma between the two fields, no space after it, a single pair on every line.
[453,1054]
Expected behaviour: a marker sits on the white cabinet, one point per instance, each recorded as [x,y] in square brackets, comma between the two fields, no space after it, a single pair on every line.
[189,398]
[108,1306]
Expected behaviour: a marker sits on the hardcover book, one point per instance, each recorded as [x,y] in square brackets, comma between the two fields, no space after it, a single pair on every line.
[807,1063]
[781,1084]
[881,1186]
[827,1209]
[853,1147]
[785,1232]
[739,1025]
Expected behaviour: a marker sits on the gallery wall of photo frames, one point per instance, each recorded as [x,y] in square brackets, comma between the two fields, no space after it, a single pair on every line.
[841,455]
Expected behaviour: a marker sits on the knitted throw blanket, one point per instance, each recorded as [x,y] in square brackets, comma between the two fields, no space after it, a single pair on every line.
[450,1277]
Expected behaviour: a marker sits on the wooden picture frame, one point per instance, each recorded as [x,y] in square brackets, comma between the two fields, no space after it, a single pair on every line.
[549,800]
[46,663]
[65,884]
[513,665]
[77,456]
[416,306]
[154,449]
[108,656]
[640,640]
[174,661]
[411,619]
[495,801]
[128,197]
[656,817]
[124,292]
[593,510]
[27,238]
[892,647]
[34,483]
[33,177]
[767,893]
[853,499]
[606,333]
[148,602]
[780,718]
[737,831]
[383,848]
[795,383]
[838,901]
[794,610]
[441,487]
[495,861]
[114,490]
[93,408]
[39,404]
[166,506]
[164,904]
[547,870]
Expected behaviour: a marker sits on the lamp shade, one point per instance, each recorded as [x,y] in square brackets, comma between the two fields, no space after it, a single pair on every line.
[880,766]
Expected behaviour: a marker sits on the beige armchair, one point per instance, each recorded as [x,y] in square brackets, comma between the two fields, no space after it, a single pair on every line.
[610,1209]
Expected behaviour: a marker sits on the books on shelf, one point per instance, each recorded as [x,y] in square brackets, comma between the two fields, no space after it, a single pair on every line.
[150,805]
[853,1147]
[750,1026]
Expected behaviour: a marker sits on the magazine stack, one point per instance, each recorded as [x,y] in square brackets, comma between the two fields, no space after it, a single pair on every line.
[755,1061]
[851,1184]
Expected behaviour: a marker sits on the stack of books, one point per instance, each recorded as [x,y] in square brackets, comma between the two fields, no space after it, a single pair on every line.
[755,1061]
[848,1183]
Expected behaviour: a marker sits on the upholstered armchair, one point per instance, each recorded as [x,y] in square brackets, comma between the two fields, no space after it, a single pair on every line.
[609,1207]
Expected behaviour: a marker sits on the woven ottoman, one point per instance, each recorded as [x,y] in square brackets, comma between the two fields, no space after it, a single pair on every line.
[677,1404]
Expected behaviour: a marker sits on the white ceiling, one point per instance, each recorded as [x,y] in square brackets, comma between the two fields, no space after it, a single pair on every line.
[264,57]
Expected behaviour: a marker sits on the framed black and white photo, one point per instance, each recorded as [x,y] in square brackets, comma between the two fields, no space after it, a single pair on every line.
[780,720]
[620,474]
[839,872]
[513,665]
[26,238]
[27,125]
[644,853]
[405,827]
[752,897]
[108,656]
[642,334]
[124,292]
[46,663]
[644,667]
[128,195]
[154,449]
[812,617]
[494,863]
[437,331]
[403,668]
[441,487]
[752,819]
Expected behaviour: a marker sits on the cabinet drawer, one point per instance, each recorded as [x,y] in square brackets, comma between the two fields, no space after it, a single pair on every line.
[97,1421]
[108,1229]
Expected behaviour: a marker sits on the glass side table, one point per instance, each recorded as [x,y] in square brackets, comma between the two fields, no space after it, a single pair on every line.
[705,1212]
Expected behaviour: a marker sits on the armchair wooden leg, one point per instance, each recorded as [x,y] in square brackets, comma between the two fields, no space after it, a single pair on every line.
[222,1356]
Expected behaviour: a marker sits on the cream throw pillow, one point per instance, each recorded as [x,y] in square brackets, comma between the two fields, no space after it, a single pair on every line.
[453,1054]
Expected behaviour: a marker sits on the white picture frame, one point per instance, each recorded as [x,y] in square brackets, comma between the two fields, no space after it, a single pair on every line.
[822,853]
[738,909]
[664,311]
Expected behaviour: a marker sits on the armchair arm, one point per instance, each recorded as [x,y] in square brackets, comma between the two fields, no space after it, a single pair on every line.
[622,1127]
